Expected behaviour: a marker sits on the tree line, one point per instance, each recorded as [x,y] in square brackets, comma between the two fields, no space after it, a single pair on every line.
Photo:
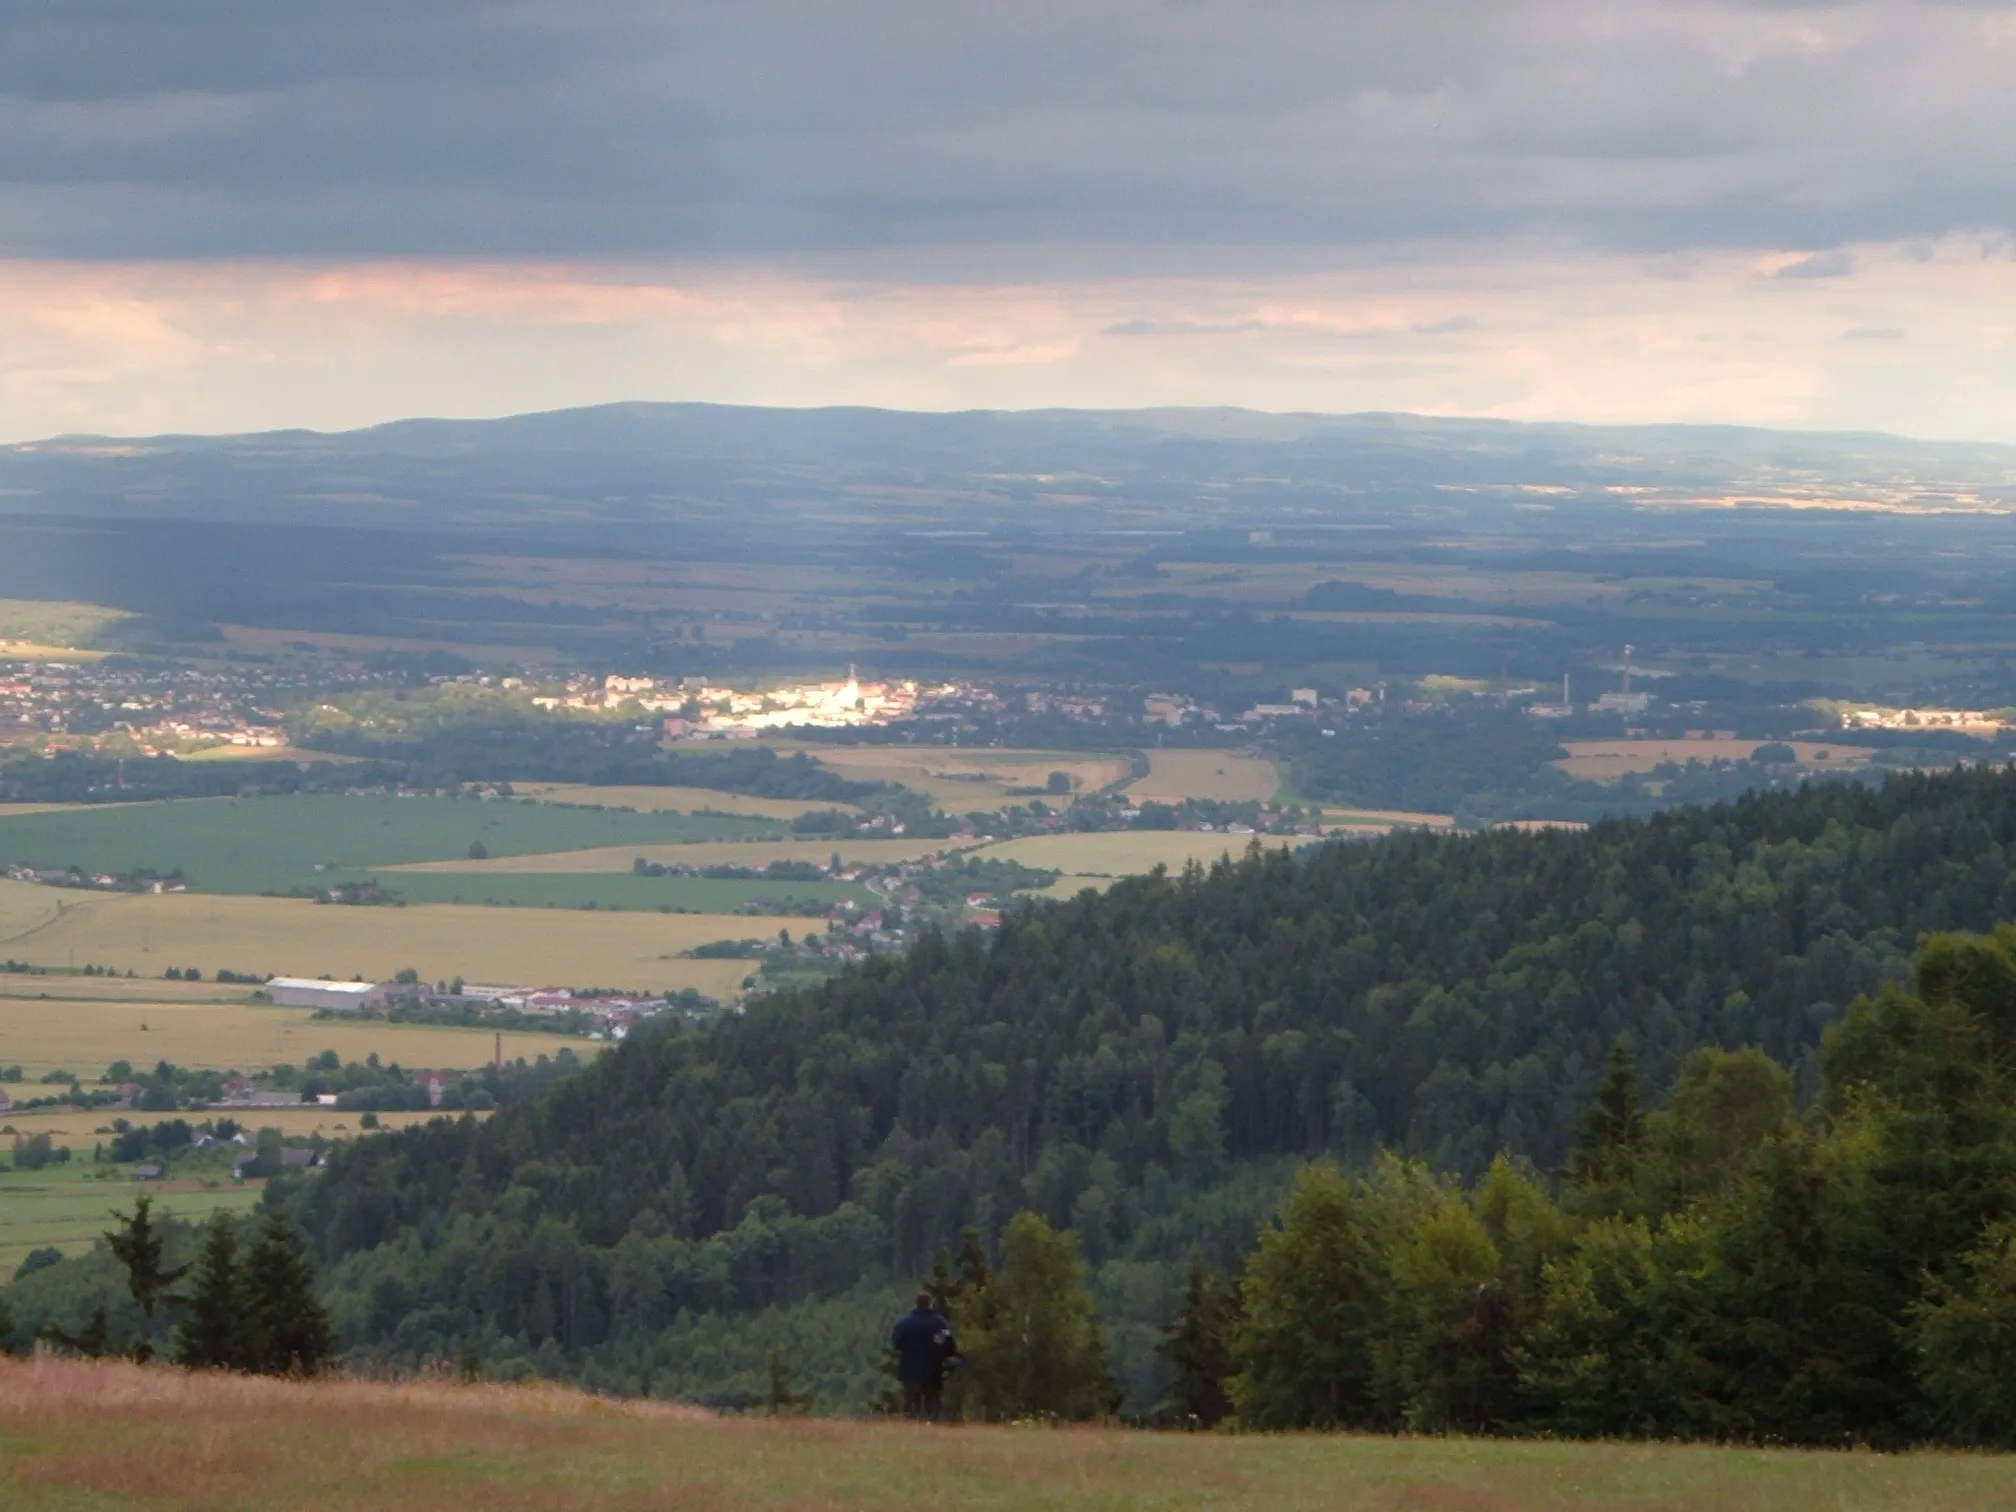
[247,1307]
[1720,1268]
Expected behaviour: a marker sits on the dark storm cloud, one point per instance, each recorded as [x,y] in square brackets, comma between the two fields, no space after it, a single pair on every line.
[950,138]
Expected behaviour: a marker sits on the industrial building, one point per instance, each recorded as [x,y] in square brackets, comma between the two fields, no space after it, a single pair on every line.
[340,997]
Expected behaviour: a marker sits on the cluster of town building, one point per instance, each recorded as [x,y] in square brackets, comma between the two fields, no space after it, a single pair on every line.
[696,708]
[608,1015]
[1971,721]
[150,709]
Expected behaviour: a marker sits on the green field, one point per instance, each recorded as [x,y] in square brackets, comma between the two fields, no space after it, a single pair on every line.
[254,845]
[725,895]
[67,1206]
[80,1436]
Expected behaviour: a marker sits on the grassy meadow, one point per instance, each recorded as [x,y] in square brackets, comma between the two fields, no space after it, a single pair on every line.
[677,800]
[618,858]
[147,932]
[79,1436]
[252,845]
[68,1206]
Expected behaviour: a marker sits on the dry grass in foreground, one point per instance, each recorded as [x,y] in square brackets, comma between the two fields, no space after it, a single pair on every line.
[82,1436]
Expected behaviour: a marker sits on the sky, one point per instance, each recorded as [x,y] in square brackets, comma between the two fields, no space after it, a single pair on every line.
[226,215]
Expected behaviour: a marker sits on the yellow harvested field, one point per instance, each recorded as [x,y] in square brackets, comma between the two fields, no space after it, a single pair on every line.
[619,858]
[1126,853]
[1607,760]
[675,800]
[144,932]
[80,1129]
[961,780]
[1217,775]
[1363,821]
[1069,887]
[31,651]
[57,988]
[25,906]
[9,810]
[87,1037]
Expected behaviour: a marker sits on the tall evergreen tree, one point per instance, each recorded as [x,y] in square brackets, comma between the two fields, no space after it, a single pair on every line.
[212,1335]
[1603,1158]
[289,1331]
[139,1246]
[1198,1347]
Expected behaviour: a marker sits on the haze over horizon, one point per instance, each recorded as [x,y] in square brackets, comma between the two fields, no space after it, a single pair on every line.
[231,217]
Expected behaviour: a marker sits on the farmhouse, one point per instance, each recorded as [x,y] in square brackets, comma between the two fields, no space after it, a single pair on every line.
[303,992]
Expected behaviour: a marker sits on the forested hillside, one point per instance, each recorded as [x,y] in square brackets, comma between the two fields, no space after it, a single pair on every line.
[1146,1068]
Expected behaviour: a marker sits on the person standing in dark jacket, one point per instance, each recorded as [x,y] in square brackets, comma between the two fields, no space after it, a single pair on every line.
[923,1343]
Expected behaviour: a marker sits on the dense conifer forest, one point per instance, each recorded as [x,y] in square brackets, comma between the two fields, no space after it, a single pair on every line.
[1442,1023]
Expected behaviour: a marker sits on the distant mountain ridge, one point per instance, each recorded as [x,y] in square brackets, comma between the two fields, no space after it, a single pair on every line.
[614,459]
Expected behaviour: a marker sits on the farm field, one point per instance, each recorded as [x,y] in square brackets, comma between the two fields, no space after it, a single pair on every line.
[25,906]
[80,1129]
[85,1038]
[79,1435]
[678,800]
[147,932]
[68,1206]
[1608,760]
[1124,853]
[618,858]
[1219,775]
[29,626]
[73,987]
[1377,821]
[961,780]
[250,845]
[617,890]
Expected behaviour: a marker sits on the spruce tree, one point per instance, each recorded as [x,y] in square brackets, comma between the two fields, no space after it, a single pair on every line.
[139,1246]
[289,1332]
[1198,1346]
[1604,1156]
[213,1334]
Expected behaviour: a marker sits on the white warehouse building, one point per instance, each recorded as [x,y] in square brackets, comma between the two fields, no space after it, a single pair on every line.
[308,992]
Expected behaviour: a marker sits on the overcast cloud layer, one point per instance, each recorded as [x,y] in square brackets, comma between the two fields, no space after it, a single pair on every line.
[1040,137]
[222,214]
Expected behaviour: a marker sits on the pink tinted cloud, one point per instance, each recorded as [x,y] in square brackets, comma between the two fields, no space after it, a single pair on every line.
[1532,333]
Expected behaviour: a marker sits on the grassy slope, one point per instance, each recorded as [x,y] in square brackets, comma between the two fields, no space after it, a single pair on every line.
[77,1436]
[249,845]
